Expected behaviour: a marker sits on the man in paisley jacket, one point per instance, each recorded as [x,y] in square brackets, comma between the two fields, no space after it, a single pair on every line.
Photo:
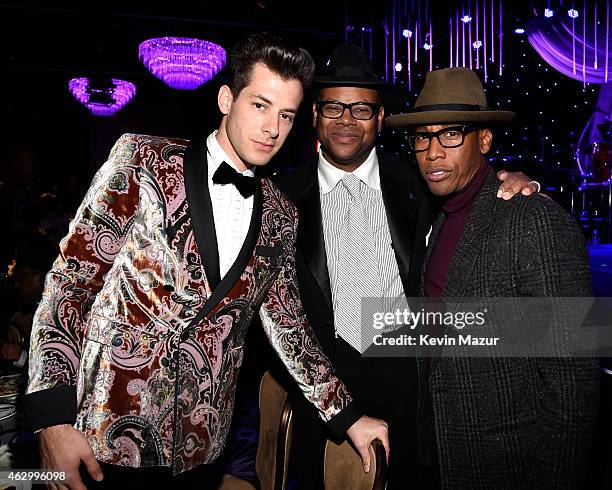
[138,339]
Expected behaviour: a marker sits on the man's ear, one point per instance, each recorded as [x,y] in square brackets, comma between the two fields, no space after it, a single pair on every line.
[379,118]
[485,139]
[225,99]
[314,114]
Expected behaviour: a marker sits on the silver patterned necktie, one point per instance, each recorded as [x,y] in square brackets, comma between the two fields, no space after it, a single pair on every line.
[358,276]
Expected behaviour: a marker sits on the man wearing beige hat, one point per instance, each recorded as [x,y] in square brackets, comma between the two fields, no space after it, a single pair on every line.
[495,422]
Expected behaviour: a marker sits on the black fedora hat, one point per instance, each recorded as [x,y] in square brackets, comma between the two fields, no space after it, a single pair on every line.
[349,66]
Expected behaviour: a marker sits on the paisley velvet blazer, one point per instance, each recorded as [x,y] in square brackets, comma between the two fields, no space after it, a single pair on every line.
[137,341]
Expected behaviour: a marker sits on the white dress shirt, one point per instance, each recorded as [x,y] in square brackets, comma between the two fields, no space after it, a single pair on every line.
[231,212]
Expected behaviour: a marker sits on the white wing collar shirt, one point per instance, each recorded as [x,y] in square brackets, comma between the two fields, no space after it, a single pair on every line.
[231,212]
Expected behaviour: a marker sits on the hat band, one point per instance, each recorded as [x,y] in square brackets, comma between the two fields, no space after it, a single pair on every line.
[449,107]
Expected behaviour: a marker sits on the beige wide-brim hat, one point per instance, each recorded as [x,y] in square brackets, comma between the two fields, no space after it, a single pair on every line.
[451,95]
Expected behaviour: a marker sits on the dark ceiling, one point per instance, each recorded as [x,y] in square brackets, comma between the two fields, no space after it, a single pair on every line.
[45,44]
[73,37]
[81,38]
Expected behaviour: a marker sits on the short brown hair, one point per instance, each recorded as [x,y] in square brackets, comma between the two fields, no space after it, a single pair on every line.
[286,60]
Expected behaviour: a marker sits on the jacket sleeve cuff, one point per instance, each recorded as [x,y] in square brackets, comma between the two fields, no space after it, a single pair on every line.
[44,408]
[342,421]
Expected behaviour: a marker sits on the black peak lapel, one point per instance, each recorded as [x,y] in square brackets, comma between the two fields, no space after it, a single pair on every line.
[402,209]
[195,169]
[239,265]
[302,187]
[311,241]
[246,251]
[409,215]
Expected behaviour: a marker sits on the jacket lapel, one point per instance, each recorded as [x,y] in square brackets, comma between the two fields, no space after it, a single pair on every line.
[246,251]
[434,351]
[402,209]
[409,215]
[239,265]
[467,251]
[200,208]
[195,169]
[310,234]
[433,238]
[468,248]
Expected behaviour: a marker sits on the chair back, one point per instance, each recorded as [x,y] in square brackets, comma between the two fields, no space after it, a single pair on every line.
[275,429]
[344,468]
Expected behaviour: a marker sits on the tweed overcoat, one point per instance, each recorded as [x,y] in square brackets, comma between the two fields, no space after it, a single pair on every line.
[510,423]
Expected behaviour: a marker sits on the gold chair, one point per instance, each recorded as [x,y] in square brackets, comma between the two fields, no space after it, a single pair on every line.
[274,442]
[275,430]
[344,468]
[343,465]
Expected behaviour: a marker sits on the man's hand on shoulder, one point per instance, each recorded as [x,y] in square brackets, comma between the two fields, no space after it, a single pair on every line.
[63,448]
[363,432]
[515,182]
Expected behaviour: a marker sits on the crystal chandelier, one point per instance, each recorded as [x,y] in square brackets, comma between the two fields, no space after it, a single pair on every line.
[102,97]
[180,62]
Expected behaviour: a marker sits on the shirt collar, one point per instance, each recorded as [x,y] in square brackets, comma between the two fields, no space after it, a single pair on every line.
[367,172]
[216,155]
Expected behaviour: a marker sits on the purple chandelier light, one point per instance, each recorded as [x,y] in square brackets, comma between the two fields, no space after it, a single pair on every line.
[102,98]
[180,62]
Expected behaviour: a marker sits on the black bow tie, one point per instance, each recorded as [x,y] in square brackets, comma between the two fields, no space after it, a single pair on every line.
[227,175]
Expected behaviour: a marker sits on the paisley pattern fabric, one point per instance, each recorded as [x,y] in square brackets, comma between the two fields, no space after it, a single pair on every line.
[124,288]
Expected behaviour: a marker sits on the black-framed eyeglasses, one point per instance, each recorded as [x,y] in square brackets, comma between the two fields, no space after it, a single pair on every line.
[452,137]
[332,109]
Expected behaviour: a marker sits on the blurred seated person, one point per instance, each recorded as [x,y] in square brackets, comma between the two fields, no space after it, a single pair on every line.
[53,221]
[31,261]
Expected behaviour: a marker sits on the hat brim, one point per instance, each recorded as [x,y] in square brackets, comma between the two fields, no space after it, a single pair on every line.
[412,119]
[334,81]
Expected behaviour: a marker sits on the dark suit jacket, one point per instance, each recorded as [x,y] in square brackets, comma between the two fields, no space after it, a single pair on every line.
[511,422]
[409,215]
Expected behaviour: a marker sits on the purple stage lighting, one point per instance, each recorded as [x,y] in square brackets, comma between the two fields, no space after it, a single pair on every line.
[102,98]
[556,41]
[466,18]
[548,13]
[407,33]
[477,44]
[180,62]
[572,13]
[519,30]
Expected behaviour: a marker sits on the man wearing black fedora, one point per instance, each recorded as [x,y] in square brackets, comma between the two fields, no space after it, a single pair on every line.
[496,422]
[364,217]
